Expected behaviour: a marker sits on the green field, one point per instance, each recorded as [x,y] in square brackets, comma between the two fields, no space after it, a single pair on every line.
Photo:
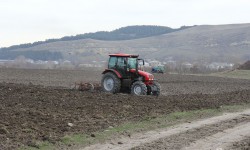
[239,74]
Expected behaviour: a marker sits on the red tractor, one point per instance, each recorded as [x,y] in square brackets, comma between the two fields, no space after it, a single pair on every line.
[124,72]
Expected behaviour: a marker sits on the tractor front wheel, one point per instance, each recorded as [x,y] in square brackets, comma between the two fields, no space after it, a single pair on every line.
[139,88]
[111,83]
[156,88]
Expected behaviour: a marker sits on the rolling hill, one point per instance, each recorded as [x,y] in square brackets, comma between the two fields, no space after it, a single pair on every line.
[229,43]
[124,33]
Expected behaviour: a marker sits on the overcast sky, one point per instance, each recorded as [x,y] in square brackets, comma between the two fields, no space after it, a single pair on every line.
[23,21]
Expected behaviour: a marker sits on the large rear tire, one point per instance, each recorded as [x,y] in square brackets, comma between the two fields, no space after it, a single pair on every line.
[139,88]
[111,83]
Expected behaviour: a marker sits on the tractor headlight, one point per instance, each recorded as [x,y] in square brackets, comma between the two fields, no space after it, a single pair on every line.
[151,77]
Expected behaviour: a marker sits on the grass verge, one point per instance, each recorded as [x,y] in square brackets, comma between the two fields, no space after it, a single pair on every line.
[239,74]
[126,129]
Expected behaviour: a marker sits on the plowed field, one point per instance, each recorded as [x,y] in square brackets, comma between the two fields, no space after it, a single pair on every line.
[39,105]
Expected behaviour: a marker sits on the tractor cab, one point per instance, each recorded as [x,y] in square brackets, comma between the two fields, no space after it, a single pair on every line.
[124,64]
[125,70]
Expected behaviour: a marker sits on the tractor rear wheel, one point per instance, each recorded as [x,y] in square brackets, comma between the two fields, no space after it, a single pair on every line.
[139,88]
[111,83]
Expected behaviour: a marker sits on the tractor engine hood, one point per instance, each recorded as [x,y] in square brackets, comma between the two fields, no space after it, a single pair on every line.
[146,75]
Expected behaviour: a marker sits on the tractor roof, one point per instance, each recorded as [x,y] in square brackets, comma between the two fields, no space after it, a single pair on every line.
[124,55]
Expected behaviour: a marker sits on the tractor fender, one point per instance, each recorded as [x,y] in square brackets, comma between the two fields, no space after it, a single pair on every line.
[114,71]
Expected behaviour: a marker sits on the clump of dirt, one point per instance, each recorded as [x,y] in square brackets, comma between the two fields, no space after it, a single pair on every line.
[30,112]
[245,66]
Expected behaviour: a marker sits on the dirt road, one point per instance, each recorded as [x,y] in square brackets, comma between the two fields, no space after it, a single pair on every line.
[216,133]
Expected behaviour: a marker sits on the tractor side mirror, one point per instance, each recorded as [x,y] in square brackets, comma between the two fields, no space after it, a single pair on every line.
[142,61]
[141,64]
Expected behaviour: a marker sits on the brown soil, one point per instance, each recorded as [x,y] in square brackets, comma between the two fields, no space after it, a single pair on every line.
[171,84]
[37,112]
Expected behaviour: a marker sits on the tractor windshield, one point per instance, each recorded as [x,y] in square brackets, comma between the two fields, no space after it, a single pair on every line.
[132,63]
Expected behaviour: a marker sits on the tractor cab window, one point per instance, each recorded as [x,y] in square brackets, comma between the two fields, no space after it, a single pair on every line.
[132,63]
[121,62]
[112,62]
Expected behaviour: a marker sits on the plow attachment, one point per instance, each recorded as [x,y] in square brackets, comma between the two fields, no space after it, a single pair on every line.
[81,86]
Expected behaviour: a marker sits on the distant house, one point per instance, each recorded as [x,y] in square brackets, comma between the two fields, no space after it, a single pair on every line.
[2,61]
[154,63]
[146,64]
[216,66]
[67,62]
[31,61]
[40,62]
[187,65]
[85,65]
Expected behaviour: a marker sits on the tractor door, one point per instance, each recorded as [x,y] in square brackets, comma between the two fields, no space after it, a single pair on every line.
[122,66]
[112,63]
